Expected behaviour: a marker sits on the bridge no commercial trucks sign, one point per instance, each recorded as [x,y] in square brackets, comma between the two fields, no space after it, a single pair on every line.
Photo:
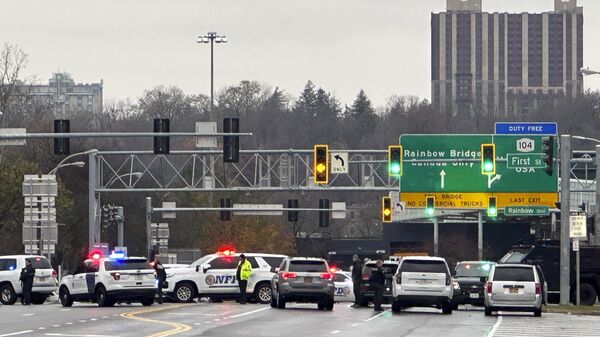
[457,182]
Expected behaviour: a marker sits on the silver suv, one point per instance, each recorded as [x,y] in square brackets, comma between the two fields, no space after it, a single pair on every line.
[303,279]
[513,287]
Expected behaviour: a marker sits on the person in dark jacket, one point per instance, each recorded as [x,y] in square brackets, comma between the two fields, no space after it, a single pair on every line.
[26,278]
[161,276]
[356,279]
[377,281]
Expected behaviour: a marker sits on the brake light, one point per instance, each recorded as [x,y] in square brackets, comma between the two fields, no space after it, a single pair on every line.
[333,269]
[399,278]
[448,280]
[116,276]
[365,277]
[288,275]
[54,274]
[538,289]
[488,287]
[326,276]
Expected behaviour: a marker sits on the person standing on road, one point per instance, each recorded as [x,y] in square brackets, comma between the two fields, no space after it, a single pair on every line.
[161,277]
[377,281]
[242,275]
[26,278]
[356,279]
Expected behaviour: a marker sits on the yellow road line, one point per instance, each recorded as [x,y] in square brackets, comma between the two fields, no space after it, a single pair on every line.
[176,327]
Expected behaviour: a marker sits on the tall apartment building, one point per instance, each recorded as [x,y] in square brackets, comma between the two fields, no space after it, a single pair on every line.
[67,96]
[505,63]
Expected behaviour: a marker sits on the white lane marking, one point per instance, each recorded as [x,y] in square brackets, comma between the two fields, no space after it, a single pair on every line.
[30,314]
[93,319]
[249,312]
[355,324]
[105,317]
[197,323]
[16,333]
[206,322]
[71,335]
[379,314]
[55,325]
[63,310]
[82,321]
[495,327]
[41,328]
[69,323]
[335,331]
[217,319]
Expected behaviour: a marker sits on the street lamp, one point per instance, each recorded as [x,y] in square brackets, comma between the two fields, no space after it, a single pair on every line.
[69,157]
[212,37]
[110,182]
[587,71]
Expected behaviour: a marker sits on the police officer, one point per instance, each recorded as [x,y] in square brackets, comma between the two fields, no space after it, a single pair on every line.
[242,275]
[26,278]
[161,276]
[356,279]
[377,281]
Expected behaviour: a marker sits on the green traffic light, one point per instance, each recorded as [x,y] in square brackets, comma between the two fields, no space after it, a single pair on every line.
[488,166]
[395,168]
[492,211]
[429,211]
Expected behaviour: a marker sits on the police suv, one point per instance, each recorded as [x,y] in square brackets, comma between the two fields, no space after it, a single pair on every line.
[213,276]
[108,280]
[44,281]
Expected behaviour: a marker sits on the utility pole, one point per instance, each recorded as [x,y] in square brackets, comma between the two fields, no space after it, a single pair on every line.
[149,226]
[597,208]
[212,37]
[565,207]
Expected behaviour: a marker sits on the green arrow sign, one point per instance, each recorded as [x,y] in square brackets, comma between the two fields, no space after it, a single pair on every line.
[518,164]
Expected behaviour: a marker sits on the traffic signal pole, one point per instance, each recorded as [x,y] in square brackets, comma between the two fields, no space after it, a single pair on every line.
[480,235]
[565,186]
[597,209]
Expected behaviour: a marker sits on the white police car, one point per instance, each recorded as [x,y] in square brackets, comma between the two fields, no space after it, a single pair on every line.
[344,291]
[108,280]
[214,276]
[44,281]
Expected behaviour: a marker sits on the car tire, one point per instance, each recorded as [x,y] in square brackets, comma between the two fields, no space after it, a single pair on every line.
[102,298]
[65,297]
[263,293]
[587,294]
[329,303]
[537,312]
[184,292]
[455,306]
[396,307]
[488,311]
[321,305]
[447,309]
[39,299]
[273,300]
[363,301]
[8,296]
[147,301]
[280,302]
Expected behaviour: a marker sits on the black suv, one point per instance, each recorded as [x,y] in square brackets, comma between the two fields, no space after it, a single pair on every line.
[366,293]
[468,275]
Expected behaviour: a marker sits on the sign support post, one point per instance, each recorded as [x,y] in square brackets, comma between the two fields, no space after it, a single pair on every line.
[565,189]
[435,236]
[480,235]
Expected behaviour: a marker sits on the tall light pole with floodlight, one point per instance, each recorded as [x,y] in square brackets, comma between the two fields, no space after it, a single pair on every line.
[212,37]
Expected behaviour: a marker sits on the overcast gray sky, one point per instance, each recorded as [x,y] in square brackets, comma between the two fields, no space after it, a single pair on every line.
[382,46]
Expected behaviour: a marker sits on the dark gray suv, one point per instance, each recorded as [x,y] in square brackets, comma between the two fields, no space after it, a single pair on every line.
[305,280]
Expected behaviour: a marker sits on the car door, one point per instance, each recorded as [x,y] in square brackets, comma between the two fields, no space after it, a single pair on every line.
[79,285]
[9,271]
[343,287]
[220,278]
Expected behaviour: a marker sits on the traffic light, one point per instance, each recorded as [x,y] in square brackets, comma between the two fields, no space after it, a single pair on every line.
[488,159]
[225,215]
[324,214]
[293,215]
[430,205]
[548,153]
[395,160]
[492,210]
[62,145]
[161,143]
[321,164]
[386,209]
[231,144]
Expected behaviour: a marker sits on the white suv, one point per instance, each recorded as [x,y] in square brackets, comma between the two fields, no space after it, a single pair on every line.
[422,281]
[214,276]
[106,281]
[44,281]
[514,287]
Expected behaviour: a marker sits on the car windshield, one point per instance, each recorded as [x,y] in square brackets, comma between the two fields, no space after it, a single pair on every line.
[473,269]
[308,266]
[514,256]
[39,262]
[126,265]
[519,274]
[424,266]
[201,260]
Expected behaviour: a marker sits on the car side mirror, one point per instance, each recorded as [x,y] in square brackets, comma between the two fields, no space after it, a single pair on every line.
[197,269]
[483,279]
[205,267]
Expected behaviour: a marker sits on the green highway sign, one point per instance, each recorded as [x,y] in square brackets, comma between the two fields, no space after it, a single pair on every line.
[519,165]
[526,210]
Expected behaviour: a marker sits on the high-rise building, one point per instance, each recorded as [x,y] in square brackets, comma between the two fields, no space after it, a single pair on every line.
[504,63]
[67,96]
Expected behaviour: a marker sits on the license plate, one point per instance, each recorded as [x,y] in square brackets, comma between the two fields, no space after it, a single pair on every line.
[474,295]
[514,290]
[308,280]
[41,279]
